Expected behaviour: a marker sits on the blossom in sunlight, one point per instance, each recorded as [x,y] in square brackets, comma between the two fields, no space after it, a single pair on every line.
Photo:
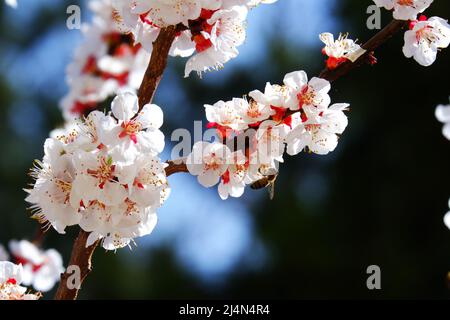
[339,50]
[217,40]
[10,279]
[211,30]
[253,112]
[274,96]
[133,18]
[232,182]
[318,130]
[135,132]
[104,174]
[404,9]
[208,161]
[307,94]
[443,115]
[225,117]
[52,189]
[41,269]
[425,39]
[164,13]
[269,142]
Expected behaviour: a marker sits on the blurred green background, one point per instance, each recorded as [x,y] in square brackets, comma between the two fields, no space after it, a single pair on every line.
[378,199]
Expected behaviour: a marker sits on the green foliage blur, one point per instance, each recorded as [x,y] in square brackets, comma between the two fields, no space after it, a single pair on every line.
[379,199]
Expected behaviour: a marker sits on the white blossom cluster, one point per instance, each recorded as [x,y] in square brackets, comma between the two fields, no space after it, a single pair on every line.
[40,269]
[211,32]
[11,276]
[293,117]
[426,36]
[106,62]
[104,174]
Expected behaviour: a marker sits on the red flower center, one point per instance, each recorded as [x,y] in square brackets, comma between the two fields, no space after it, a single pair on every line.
[104,173]
[130,129]
[199,26]
[226,177]
[279,113]
[306,96]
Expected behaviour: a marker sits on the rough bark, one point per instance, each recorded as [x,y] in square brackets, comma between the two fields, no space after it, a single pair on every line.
[157,65]
[81,257]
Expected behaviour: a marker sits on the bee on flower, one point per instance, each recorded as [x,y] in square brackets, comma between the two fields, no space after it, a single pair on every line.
[291,117]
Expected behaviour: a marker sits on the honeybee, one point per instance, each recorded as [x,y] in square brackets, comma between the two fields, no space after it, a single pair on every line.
[266,182]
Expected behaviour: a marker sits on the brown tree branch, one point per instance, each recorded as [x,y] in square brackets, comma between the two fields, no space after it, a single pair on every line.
[157,65]
[81,257]
[176,167]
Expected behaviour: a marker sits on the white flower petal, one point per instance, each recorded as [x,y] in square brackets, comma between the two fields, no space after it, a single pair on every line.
[125,106]
[151,116]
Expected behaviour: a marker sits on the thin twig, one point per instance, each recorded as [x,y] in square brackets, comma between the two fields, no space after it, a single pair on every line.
[176,167]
